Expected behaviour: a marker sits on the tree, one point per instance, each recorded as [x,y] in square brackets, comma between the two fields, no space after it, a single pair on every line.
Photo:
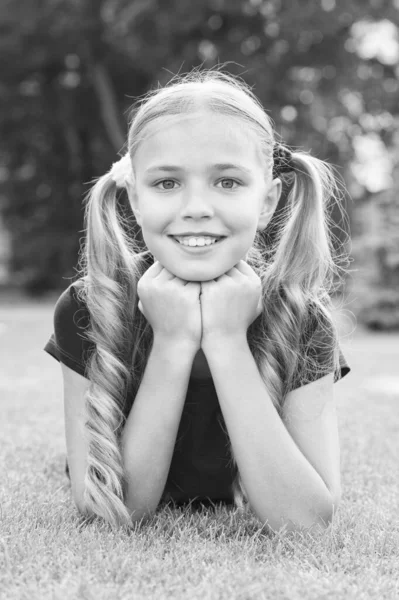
[74,67]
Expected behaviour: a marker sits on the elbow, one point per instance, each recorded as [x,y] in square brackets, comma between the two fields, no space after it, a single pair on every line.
[135,515]
[140,514]
[140,508]
[83,509]
[81,505]
[324,510]
[333,506]
[326,516]
[135,512]
[78,498]
[79,502]
[321,517]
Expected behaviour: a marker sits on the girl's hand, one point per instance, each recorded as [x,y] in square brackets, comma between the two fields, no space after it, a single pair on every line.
[230,304]
[171,306]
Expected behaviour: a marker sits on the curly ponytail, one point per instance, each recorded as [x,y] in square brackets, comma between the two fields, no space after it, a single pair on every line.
[112,265]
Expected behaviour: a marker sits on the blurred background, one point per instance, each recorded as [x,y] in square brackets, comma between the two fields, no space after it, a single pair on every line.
[326,72]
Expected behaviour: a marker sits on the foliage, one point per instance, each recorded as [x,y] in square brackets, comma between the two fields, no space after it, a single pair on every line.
[73,69]
[379,304]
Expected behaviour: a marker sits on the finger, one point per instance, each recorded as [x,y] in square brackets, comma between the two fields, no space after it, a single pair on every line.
[234,273]
[155,269]
[192,284]
[243,267]
[239,268]
[158,271]
[166,275]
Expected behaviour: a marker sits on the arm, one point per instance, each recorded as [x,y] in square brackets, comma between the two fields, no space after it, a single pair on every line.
[150,431]
[281,483]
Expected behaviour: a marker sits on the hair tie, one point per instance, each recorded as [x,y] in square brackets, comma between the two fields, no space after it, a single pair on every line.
[121,171]
[282,160]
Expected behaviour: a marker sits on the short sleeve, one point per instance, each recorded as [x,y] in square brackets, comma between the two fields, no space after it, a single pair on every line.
[344,368]
[321,352]
[321,347]
[67,343]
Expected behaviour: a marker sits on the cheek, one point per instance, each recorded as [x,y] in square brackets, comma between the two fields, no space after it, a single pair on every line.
[244,219]
[153,225]
[246,230]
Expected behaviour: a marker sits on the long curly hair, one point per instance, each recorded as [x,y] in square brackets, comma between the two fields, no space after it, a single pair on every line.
[294,256]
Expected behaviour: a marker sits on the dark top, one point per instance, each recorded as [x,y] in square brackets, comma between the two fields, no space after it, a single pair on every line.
[201,465]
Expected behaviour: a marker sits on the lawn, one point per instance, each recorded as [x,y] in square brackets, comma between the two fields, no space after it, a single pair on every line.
[48,552]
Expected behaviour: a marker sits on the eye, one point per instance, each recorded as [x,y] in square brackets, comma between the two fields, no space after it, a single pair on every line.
[163,181]
[224,179]
[233,180]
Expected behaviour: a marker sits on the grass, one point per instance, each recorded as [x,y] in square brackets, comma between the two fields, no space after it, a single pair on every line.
[48,552]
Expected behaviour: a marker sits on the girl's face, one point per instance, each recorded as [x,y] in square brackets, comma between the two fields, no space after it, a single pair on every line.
[183,186]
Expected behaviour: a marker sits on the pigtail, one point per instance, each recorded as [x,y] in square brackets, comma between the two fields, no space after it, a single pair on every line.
[300,279]
[304,243]
[112,266]
[297,271]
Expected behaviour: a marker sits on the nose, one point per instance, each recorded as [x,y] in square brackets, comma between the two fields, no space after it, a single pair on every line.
[196,205]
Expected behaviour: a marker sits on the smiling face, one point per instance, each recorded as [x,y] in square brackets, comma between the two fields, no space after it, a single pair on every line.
[197,195]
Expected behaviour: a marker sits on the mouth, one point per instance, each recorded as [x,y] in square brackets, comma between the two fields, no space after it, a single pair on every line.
[204,248]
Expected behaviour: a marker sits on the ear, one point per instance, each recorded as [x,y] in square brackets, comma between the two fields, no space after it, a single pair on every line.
[134,201]
[269,203]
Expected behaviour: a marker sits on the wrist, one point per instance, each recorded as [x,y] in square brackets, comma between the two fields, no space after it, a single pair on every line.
[183,347]
[223,343]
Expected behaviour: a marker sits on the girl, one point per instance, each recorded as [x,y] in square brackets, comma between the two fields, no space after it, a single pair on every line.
[202,365]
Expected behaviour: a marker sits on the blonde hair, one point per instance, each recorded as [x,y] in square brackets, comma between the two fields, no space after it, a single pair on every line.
[294,257]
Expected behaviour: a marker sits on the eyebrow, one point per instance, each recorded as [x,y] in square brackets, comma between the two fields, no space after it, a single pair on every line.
[218,166]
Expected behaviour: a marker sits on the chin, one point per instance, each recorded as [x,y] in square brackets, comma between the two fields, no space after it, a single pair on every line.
[198,273]
[201,279]
[195,272]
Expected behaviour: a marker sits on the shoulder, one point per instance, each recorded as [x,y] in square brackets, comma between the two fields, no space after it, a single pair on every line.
[71,307]
[320,335]
[71,320]
[320,353]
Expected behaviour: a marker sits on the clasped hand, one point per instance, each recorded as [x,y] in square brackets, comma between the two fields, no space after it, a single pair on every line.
[200,312]
[230,303]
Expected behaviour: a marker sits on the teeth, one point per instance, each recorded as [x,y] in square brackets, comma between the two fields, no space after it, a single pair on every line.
[201,241]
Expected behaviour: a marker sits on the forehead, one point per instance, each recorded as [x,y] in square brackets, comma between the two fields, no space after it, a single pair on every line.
[197,137]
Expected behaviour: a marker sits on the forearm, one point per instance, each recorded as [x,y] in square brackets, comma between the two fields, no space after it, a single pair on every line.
[150,431]
[280,482]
